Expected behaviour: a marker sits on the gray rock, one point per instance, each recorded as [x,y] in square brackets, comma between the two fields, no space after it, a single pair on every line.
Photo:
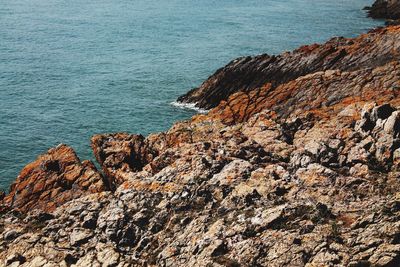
[80,236]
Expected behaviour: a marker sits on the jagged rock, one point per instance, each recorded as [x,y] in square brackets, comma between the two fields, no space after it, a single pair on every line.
[316,175]
[108,257]
[327,61]
[386,255]
[15,259]
[392,125]
[122,153]
[240,213]
[359,170]
[358,154]
[53,179]
[268,216]
[380,125]
[80,236]
[381,112]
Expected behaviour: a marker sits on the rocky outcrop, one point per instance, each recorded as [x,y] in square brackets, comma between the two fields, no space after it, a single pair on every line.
[300,172]
[385,9]
[371,50]
[244,197]
[320,94]
[52,180]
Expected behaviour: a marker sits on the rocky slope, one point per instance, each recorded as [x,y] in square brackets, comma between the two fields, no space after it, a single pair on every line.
[298,164]
[249,73]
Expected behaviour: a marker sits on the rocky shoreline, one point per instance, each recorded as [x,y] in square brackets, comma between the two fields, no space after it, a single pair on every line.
[296,164]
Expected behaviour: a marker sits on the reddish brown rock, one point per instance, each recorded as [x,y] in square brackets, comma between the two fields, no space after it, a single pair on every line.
[371,50]
[53,179]
[321,94]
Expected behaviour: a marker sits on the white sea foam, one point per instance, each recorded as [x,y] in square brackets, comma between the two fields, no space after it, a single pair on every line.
[189,106]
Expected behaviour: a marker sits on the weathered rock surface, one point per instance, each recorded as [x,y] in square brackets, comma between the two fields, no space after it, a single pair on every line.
[319,94]
[371,50]
[53,179]
[244,197]
[301,172]
[119,151]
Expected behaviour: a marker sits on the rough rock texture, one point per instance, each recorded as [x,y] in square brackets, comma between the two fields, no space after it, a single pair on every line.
[372,50]
[320,94]
[385,9]
[302,172]
[53,179]
[119,151]
[244,197]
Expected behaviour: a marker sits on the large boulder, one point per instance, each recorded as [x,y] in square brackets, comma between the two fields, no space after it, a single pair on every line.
[52,180]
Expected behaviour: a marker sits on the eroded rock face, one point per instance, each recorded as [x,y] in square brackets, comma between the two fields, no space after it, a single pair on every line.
[53,179]
[249,73]
[320,95]
[305,173]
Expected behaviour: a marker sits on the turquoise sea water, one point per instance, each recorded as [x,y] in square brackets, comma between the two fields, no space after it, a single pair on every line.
[71,69]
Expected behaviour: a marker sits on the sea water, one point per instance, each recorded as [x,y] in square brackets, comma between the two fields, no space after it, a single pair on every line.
[70,69]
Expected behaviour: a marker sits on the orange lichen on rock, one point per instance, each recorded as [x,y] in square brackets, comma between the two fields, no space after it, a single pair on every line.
[321,94]
[53,179]
[370,50]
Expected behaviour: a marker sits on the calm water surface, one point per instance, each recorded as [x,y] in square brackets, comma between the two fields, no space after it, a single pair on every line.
[71,69]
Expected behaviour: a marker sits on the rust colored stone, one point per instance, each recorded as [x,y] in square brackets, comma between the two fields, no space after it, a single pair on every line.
[51,180]
[371,50]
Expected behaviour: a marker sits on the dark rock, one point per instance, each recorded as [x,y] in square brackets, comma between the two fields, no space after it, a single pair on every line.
[249,73]
[392,22]
[382,112]
[219,248]
[70,259]
[44,216]
[385,9]
[15,258]
[11,235]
